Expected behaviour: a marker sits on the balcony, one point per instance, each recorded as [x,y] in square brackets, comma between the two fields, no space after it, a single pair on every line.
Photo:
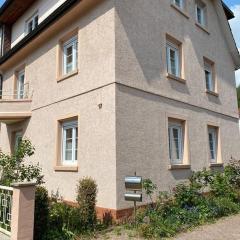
[15,106]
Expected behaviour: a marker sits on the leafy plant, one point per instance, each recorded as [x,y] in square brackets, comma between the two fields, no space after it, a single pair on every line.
[14,167]
[41,213]
[207,195]
[149,188]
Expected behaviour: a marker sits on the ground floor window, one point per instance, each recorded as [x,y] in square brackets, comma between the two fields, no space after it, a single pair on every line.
[176,141]
[213,143]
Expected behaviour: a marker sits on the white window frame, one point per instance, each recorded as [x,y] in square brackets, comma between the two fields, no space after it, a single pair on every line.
[179,127]
[65,126]
[209,68]
[20,84]
[202,20]
[176,49]
[181,3]
[18,139]
[73,42]
[214,133]
[34,23]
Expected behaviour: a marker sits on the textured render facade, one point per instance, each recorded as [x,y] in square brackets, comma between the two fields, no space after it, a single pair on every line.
[121,93]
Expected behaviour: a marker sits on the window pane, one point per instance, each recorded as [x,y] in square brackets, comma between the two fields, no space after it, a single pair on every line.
[173,61]
[208,80]
[69,133]
[68,155]
[175,146]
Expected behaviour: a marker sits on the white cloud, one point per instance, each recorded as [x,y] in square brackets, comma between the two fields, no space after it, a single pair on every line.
[235,25]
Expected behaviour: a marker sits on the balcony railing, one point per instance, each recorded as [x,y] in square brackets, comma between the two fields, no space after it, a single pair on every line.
[23,94]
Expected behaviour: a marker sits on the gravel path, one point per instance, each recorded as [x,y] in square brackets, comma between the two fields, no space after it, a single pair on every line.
[224,229]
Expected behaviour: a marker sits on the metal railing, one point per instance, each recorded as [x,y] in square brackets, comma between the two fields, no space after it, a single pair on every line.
[6,194]
[15,94]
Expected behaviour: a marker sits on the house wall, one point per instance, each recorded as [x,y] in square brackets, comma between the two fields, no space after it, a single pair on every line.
[122,66]
[43,7]
[145,96]
[79,95]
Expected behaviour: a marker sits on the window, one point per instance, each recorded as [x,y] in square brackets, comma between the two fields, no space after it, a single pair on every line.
[175,138]
[201,13]
[31,23]
[213,143]
[70,55]
[20,84]
[69,143]
[179,3]
[209,76]
[18,139]
[173,59]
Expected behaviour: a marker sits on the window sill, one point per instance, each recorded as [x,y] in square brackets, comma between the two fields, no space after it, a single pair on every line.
[212,93]
[66,168]
[172,77]
[61,78]
[202,28]
[180,10]
[216,165]
[179,166]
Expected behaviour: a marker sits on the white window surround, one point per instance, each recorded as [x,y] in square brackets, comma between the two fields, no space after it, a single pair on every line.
[31,23]
[176,143]
[173,59]
[179,3]
[69,143]
[70,55]
[200,11]
[213,144]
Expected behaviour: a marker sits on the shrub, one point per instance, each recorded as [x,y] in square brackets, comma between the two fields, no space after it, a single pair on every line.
[86,198]
[41,213]
[14,168]
[207,196]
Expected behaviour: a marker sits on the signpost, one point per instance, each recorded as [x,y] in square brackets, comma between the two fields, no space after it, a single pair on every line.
[133,184]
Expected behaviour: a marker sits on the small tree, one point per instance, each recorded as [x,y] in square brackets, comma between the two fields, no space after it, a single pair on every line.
[14,167]
[86,197]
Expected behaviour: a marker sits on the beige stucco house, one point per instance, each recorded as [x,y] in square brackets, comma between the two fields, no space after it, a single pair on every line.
[104,88]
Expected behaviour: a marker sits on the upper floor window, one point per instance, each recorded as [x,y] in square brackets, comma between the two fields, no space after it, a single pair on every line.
[179,3]
[70,55]
[69,142]
[20,84]
[209,76]
[31,23]
[173,59]
[201,16]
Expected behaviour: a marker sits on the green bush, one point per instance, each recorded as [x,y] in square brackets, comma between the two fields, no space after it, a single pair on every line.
[207,195]
[86,198]
[14,168]
[41,213]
